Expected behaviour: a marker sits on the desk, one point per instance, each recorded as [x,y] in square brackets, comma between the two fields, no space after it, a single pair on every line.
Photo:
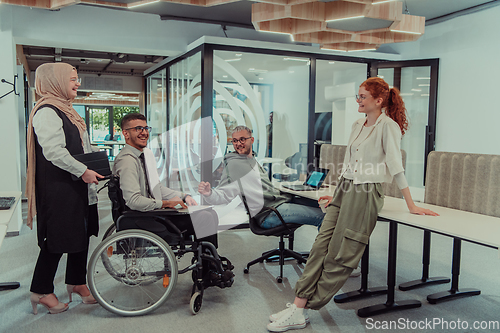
[5,216]
[451,222]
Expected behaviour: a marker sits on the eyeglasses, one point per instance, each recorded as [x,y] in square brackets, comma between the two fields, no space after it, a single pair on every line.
[139,129]
[360,98]
[76,80]
[240,140]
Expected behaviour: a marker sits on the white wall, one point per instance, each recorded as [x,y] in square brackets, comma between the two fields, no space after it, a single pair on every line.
[468,48]
[9,126]
[290,106]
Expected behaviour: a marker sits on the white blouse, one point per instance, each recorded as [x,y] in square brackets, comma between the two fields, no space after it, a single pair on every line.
[374,153]
[48,128]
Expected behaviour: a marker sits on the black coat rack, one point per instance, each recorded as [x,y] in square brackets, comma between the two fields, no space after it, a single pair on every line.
[13,87]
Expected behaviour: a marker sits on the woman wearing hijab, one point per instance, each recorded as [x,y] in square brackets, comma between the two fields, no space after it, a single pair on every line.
[66,209]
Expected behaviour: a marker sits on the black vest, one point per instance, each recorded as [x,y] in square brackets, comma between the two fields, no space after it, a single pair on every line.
[61,202]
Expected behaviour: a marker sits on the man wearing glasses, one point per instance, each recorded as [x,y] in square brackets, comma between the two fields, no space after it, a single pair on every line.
[130,165]
[142,193]
[241,167]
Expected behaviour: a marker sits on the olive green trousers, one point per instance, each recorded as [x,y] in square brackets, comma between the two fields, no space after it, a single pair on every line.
[349,221]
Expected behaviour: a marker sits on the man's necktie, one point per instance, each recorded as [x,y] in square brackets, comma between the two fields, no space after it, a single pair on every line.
[143,162]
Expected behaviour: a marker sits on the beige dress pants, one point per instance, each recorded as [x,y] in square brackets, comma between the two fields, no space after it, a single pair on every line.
[349,221]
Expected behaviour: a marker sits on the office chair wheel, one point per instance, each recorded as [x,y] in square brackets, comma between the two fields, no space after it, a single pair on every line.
[132,272]
[279,279]
[111,230]
[196,302]
[245,270]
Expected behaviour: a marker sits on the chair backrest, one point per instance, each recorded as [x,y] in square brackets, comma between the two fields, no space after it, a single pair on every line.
[332,158]
[469,182]
[295,162]
[116,196]
[107,137]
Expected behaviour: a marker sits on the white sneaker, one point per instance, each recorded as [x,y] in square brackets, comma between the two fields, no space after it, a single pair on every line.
[278,315]
[355,272]
[292,319]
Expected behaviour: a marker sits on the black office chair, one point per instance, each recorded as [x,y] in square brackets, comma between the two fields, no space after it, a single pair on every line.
[285,230]
[293,162]
[134,271]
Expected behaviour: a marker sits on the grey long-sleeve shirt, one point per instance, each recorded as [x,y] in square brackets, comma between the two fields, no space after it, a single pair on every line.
[133,181]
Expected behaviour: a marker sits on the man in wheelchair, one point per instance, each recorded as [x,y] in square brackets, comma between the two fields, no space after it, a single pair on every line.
[141,202]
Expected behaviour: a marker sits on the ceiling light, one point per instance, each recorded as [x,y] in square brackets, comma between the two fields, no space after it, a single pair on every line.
[424,85]
[362,50]
[141,3]
[235,59]
[380,76]
[382,1]
[423,78]
[238,54]
[331,62]
[406,94]
[261,78]
[296,59]
[416,89]
[407,32]
[278,32]
[224,76]
[336,50]
[424,95]
[345,18]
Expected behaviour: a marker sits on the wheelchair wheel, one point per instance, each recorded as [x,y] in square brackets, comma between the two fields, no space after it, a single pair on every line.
[111,230]
[132,272]
[196,302]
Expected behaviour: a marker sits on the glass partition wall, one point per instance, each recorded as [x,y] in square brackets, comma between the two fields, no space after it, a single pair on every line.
[293,102]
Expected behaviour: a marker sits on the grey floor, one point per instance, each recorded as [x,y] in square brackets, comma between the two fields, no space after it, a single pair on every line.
[245,306]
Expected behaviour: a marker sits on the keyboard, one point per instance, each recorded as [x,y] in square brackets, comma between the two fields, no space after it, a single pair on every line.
[6,202]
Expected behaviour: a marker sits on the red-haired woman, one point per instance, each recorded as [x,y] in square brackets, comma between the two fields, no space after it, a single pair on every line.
[373,156]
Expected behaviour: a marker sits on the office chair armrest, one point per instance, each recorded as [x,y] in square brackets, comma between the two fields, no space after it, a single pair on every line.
[280,217]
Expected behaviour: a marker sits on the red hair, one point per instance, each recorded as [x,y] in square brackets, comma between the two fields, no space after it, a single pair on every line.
[392,100]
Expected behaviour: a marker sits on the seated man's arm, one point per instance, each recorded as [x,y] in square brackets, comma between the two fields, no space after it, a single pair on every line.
[167,193]
[223,194]
[128,170]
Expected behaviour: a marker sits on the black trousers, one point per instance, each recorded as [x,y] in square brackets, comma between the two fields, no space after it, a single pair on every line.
[46,268]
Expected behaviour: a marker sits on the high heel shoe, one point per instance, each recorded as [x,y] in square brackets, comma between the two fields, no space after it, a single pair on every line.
[86,299]
[37,299]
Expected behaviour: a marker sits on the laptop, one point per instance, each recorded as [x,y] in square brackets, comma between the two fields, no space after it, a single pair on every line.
[313,181]
[97,161]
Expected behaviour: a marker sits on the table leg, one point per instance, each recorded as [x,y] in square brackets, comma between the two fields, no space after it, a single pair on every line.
[364,291]
[454,292]
[390,305]
[426,259]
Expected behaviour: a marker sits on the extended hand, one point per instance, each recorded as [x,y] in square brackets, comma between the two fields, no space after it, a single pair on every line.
[326,197]
[204,188]
[90,176]
[190,201]
[422,211]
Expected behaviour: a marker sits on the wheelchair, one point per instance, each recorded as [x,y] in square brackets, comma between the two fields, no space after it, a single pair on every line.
[133,271]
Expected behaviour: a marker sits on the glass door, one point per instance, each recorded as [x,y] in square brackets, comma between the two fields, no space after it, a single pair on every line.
[417,81]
